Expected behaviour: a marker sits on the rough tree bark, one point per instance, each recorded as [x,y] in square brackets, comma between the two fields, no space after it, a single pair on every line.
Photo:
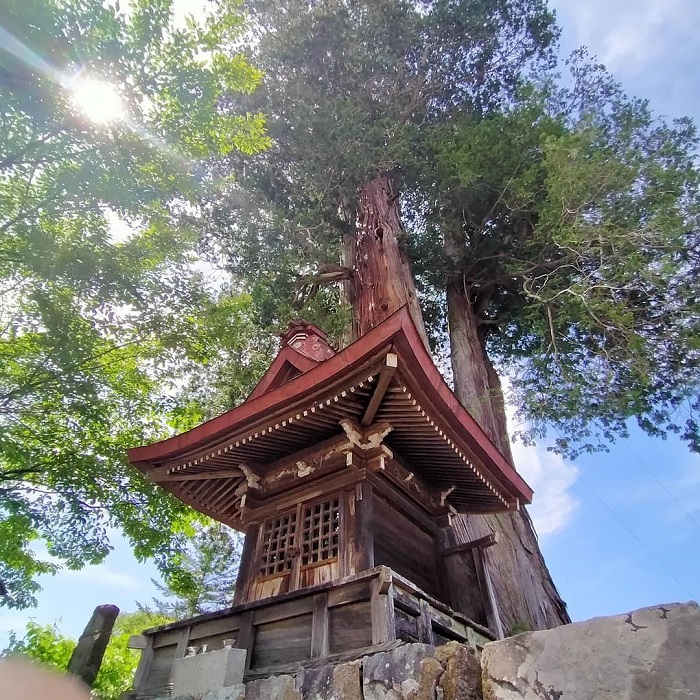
[382,281]
[382,284]
[534,602]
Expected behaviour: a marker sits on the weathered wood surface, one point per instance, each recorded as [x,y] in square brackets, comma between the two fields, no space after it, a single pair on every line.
[248,565]
[404,547]
[462,581]
[346,619]
[282,642]
[350,626]
[320,629]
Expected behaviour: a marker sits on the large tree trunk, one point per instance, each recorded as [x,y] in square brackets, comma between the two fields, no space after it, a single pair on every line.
[534,601]
[383,283]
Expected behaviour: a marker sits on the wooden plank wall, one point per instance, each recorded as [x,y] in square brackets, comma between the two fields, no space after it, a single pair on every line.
[355,617]
[462,580]
[282,642]
[403,546]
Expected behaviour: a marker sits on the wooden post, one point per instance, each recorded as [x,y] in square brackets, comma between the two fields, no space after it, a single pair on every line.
[247,569]
[347,543]
[144,667]
[246,637]
[181,648]
[364,538]
[320,643]
[425,624]
[182,643]
[382,607]
[86,659]
[487,593]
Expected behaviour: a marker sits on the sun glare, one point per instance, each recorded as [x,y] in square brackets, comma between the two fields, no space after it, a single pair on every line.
[98,100]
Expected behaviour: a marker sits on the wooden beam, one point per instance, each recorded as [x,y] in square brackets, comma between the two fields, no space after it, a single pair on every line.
[160,474]
[198,476]
[412,484]
[316,453]
[304,492]
[137,641]
[385,376]
[481,543]
[488,595]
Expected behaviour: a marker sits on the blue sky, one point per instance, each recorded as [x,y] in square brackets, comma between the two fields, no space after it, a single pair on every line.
[619,530]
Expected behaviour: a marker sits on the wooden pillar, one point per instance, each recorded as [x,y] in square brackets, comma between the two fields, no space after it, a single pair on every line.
[492,615]
[182,643]
[364,537]
[465,589]
[425,624]
[248,569]
[144,667]
[382,607]
[320,642]
[246,637]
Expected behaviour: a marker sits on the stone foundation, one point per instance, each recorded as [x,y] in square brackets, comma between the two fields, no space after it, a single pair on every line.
[408,672]
[648,654]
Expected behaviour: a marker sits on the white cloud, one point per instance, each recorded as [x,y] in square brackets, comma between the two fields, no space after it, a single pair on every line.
[630,35]
[104,576]
[100,574]
[644,34]
[551,477]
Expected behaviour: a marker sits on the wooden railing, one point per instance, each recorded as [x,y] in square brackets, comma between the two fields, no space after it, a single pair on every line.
[372,611]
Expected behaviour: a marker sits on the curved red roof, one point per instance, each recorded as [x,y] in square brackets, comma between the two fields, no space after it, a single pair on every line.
[420,380]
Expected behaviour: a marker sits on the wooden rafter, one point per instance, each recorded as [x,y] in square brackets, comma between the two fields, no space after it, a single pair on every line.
[167,473]
[385,376]
[196,476]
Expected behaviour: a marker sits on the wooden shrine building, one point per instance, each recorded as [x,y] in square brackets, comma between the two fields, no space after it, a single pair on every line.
[346,471]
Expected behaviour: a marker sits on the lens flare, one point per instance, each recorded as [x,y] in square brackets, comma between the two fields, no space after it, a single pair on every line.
[98,100]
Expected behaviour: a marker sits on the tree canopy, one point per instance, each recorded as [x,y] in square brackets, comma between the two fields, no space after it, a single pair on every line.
[209,572]
[562,212]
[100,329]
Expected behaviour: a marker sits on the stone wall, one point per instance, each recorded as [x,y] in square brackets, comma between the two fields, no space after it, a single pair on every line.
[648,654]
[408,672]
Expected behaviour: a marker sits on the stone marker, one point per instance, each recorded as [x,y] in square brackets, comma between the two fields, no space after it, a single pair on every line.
[87,656]
[649,654]
[195,675]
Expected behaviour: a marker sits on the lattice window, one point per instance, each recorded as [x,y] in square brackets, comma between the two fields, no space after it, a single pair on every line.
[278,540]
[320,531]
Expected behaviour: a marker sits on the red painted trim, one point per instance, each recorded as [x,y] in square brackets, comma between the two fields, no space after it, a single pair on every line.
[303,387]
[428,381]
[417,364]
[285,356]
